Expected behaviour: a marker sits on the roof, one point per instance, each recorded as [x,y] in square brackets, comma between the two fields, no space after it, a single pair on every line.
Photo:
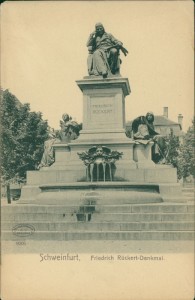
[164,121]
[159,121]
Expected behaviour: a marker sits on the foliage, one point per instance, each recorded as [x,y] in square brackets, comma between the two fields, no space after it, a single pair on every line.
[186,156]
[173,152]
[181,155]
[22,138]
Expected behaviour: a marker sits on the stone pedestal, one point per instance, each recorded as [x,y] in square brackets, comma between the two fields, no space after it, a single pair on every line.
[142,155]
[103,124]
[62,155]
[103,109]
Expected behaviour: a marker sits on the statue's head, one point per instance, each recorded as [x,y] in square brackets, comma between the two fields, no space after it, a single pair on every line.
[57,132]
[52,134]
[99,151]
[150,117]
[99,28]
[65,117]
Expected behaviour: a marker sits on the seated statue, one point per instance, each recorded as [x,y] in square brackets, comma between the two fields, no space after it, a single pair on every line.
[143,129]
[104,51]
[69,129]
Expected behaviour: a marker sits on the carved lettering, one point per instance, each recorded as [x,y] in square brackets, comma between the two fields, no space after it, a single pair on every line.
[102,108]
[101,105]
[108,111]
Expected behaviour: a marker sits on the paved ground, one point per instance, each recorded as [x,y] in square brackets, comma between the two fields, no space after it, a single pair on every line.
[98,247]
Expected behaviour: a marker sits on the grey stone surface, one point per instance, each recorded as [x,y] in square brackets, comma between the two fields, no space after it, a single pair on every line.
[105,226]
[157,221]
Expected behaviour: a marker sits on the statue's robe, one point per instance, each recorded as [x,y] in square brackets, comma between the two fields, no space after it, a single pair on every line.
[149,133]
[48,155]
[104,56]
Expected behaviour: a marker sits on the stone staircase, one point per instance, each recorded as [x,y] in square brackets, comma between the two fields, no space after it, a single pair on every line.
[150,221]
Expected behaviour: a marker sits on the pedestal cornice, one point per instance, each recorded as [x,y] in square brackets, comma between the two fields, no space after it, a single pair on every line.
[107,83]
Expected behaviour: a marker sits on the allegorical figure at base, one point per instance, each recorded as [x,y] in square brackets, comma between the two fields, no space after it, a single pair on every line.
[69,131]
[143,129]
[48,154]
[104,50]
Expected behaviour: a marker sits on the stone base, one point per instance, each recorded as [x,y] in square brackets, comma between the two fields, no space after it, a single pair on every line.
[97,193]
[103,125]
[100,192]
[166,175]
[67,159]
[135,167]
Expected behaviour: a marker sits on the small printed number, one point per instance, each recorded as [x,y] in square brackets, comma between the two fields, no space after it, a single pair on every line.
[20,243]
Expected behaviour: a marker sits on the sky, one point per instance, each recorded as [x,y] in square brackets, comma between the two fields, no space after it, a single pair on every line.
[43,53]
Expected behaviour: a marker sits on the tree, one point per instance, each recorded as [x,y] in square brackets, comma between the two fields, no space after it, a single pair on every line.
[173,152]
[181,155]
[186,157]
[22,138]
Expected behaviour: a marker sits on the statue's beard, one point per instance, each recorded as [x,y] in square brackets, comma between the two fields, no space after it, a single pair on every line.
[100,33]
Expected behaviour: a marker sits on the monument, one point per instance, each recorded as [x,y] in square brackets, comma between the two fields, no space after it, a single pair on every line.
[104,92]
[100,169]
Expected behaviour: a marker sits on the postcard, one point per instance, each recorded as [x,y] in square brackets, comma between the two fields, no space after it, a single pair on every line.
[97,192]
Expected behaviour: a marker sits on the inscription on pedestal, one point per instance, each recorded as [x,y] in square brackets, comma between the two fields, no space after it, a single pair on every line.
[104,106]
[102,109]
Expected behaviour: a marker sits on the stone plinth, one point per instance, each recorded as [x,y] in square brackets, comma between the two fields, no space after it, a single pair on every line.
[103,108]
[74,176]
[62,155]
[142,155]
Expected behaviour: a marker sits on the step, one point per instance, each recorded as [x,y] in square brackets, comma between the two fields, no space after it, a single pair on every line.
[103,226]
[145,217]
[61,200]
[96,217]
[152,208]
[99,235]
[188,195]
